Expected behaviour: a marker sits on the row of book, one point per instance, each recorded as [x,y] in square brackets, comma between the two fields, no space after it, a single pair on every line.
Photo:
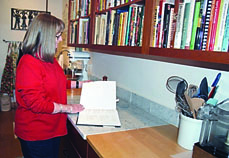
[79,31]
[189,24]
[106,4]
[79,8]
[121,27]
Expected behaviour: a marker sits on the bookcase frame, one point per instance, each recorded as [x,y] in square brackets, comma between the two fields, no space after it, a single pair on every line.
[205,59]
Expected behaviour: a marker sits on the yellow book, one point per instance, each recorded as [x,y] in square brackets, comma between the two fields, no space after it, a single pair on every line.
[120,28]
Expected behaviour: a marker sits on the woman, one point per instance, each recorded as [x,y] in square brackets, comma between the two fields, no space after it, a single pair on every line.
[41,90]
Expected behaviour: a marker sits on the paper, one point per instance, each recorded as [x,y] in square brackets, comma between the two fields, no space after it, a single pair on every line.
[99,100]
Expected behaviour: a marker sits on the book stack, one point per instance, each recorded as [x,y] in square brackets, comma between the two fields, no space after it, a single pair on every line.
[79,21]
[73,33]
[106,4]
[188,24]
[83,31]
[121,27]
[85,7]
[74,9]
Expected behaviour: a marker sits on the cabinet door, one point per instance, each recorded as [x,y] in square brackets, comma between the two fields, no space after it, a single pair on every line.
[66,149]
[90,152]
[77,142]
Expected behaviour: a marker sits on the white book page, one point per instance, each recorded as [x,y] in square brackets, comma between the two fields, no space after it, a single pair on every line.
[99,117]
[99,100]
[99,95]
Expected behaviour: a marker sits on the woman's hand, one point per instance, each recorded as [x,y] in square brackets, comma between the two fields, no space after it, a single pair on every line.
[67,108]
[76,108]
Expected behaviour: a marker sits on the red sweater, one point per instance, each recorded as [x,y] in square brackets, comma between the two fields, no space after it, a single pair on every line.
[38,85]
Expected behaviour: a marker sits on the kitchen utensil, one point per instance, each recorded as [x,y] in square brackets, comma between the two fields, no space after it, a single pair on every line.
[188,99]
[172,83]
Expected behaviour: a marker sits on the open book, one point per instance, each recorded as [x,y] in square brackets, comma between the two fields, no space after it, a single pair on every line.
[99,100]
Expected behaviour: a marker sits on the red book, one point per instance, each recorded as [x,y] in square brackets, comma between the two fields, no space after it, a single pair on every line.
[214,25]
[159,24]
[174,21]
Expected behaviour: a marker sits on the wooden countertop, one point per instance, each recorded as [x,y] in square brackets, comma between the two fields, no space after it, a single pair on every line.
[152,142]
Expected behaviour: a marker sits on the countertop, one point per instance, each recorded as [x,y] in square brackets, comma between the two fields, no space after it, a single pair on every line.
[141,134]
[151,142]
[131,117]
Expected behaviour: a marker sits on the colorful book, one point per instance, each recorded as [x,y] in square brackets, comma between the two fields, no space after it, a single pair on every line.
[154,27]
[221,25]
[111,27]
[128,24]
[185,24]
[195,24]
[225,42]
[170,34]
[166,22]
[179,25]
[108,26]
[120,27]
[164,3]
[214,25]
[125,17]
[210,24]
[174,22]
[140,27]
[206,24]
[200,25]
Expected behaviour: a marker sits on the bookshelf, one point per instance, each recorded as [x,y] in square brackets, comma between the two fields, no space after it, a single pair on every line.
[200,58]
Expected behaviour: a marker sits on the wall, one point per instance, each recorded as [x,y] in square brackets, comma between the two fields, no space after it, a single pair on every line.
[147,78]
[56,8]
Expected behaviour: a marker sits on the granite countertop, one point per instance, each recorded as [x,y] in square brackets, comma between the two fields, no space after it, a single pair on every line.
[131,117]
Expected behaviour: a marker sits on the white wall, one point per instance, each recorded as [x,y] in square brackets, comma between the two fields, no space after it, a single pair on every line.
[54,6]
[148,78]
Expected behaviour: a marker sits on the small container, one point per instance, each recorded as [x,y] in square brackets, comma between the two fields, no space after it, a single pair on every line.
[189,131]
[104,78]
[5,102]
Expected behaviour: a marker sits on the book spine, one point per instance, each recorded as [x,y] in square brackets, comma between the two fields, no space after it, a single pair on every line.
[200,25]
[174,22]
[128,24]
[115,37]
[159,24]
[226,34]
[166,24]
[210,24]
[164,3]
[76,28]
[206,24]
[214,25]
[190,23]
[221,27]
[154,27]
[125,14]
[120,29]
[185,25]
[113,12]
[131,25]
[134,26]
[195,23]
[137,25]
[108,26]
[179,25]
[140,27]
[141,32]
[170,34]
